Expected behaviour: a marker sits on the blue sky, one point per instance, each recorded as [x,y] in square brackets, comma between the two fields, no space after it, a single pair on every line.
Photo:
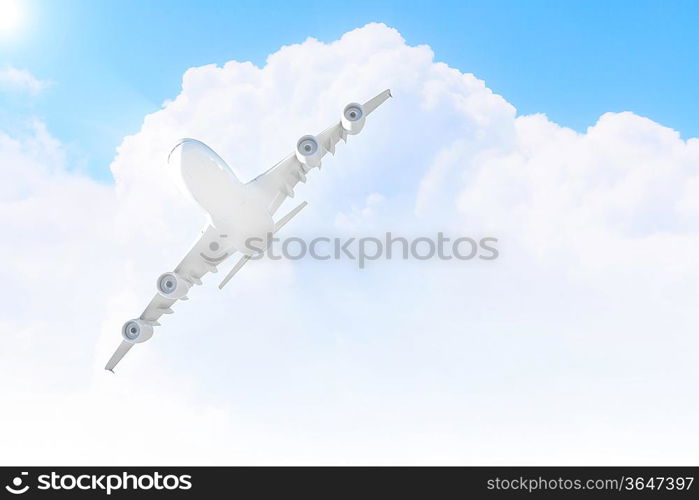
[113,62]
[590,307]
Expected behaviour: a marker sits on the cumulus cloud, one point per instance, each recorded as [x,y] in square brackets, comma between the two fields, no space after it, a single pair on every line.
[574,343]
[21,80]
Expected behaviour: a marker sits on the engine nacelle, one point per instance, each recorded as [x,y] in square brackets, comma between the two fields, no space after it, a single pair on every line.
[136,331]
[353,118]
[173,286]
[308,151]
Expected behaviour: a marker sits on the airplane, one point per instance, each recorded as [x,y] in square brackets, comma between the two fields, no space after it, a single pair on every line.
[238,213]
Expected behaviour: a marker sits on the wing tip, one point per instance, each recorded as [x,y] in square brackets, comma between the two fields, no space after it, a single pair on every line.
[389,92]
[109,369]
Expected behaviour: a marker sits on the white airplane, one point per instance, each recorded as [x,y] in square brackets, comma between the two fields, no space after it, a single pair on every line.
[237,212]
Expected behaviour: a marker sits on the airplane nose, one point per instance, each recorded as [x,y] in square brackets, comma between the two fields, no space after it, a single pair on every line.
[178,149]
[191,153]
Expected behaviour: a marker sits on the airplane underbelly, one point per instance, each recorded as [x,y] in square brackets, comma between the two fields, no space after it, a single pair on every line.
[247,227]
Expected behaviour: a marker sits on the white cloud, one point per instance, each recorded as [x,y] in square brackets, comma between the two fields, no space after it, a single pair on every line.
[21,80]
[578,341]
[359,217]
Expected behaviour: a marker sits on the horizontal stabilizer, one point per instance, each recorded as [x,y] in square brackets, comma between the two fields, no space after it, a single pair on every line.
[233,271]
[245,258]
[281,222]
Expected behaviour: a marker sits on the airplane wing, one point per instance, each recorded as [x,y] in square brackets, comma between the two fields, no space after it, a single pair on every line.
[200,260]
[193,267]
[277,183]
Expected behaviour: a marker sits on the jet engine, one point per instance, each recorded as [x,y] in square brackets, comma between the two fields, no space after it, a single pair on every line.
[353,117]
[173,286]
[308,151]
[136,331]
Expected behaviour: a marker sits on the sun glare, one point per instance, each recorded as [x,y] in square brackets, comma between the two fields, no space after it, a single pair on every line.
[10,15]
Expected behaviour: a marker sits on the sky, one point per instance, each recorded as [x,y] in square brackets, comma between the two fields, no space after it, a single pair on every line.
[577,345]
[112,63]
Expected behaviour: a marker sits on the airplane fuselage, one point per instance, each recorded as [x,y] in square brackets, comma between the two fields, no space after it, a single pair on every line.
[240,216]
